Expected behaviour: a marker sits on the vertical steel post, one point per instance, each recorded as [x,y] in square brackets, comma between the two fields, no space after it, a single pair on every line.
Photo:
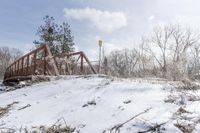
[34,61]
[18,62]
[45,63]
[82,63]
[22,66]
[15,69]
[10,71]
[27,63]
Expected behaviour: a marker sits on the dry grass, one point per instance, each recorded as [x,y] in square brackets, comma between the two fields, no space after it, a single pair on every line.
[6,109]
[52,129]
[59,127]
[185,128]
[185,85]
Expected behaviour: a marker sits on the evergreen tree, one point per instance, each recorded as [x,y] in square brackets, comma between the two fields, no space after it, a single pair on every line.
[65,38]
[48,34]
[58,38]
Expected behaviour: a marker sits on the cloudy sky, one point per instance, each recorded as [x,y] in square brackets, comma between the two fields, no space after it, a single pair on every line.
[119,23]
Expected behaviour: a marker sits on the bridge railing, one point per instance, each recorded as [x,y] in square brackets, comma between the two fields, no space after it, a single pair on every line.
[33,63]
[41,62]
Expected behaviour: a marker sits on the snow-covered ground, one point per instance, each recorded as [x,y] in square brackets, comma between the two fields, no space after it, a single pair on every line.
[96,104]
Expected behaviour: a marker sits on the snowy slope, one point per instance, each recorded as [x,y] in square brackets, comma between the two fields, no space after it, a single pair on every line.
[116,102]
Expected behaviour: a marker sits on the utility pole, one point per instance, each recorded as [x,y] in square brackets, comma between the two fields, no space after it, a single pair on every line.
[100,46]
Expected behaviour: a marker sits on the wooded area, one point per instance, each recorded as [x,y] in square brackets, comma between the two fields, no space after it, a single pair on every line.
[171,52]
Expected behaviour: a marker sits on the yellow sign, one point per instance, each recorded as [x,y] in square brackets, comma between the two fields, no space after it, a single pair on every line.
[100,43]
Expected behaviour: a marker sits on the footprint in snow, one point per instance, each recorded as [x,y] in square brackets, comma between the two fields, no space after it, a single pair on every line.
[93,102]
[121,108]
[127,102]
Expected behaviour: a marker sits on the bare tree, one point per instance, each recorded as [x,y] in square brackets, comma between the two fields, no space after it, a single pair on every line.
[122,62]
[158,45]
[182,41]
[169,46]
[163,54]
[194,61]
[7,56]
[145,60]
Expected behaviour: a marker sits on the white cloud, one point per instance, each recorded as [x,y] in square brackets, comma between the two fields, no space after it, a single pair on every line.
[109,47]
[192,21]
[103,20]
[152,17]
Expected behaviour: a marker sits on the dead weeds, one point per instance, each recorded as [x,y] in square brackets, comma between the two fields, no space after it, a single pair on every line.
[59,127]
[185,128]
[6,109]
[186,85]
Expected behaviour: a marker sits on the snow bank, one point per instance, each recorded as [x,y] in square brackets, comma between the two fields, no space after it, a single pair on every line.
[113,102]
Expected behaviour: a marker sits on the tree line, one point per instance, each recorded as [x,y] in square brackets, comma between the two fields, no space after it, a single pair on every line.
[170,51]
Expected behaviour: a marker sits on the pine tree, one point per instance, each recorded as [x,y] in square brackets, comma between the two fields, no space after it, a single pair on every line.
[65,38]
[58,38]
[48,34]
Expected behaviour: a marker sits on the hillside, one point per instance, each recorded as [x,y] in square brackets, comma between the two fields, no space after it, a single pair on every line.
[96,104]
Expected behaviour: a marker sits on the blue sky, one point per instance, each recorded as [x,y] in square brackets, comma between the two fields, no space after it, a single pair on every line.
[119,23]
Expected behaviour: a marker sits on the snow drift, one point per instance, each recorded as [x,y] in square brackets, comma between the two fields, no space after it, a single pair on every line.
[95,104]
